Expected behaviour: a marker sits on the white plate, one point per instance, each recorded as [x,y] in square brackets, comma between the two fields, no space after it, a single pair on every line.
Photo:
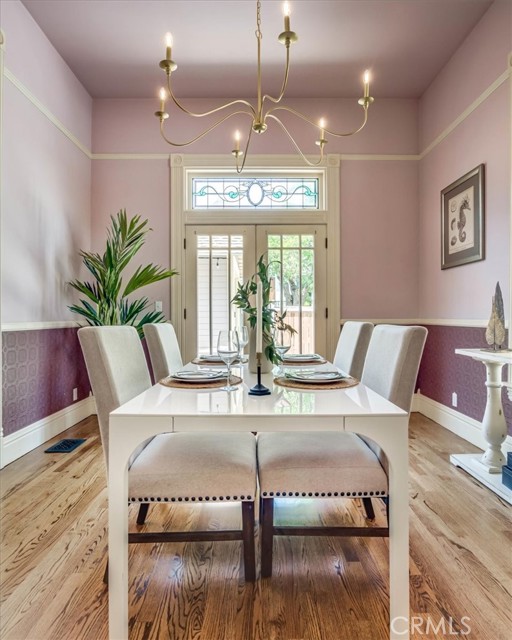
[197,376]
[315,377]
[302,357]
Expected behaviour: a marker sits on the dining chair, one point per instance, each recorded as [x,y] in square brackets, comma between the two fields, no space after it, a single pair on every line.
[164,350]
[338,465]
[170,467]
[352,347]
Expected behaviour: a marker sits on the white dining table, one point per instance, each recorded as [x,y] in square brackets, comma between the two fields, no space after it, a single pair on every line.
[163,409]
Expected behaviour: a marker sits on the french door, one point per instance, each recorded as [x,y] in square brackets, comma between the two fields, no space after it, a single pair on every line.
[219,257]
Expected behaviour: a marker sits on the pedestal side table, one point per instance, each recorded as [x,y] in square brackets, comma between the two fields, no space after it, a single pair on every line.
[486,468]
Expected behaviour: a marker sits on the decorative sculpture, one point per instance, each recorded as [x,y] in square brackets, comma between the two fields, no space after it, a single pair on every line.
[495,332]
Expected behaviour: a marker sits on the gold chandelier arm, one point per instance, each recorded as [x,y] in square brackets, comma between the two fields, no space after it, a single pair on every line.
[240,168]
[285,80]
[306,160]
[316,125]
[212,111]
[201,135]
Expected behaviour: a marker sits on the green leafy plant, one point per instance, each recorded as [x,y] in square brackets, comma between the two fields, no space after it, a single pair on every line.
[106,299]
[271,319]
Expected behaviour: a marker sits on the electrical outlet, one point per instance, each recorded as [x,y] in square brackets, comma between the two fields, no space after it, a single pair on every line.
[75,394]
[454,399]
[158,305]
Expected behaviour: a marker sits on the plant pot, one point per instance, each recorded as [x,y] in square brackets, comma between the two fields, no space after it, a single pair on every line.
[266,365]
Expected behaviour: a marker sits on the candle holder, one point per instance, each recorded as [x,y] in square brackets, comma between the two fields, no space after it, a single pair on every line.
[259,389]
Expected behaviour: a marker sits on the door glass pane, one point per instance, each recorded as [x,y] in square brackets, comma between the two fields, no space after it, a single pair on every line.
[292,268]
[219,270]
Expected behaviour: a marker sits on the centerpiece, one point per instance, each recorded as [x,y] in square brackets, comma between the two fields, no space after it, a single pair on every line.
[271,319]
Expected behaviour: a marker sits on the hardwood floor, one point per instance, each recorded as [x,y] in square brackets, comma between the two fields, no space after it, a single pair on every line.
[54,548]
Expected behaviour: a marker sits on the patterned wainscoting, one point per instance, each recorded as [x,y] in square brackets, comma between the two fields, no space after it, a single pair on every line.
[442,372]
[40,370]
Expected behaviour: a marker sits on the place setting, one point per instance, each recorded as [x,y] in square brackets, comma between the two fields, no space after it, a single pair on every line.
[310,378]
[228,353]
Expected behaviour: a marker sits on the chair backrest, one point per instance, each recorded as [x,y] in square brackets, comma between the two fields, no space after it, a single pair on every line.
[352,347]
[164,350]
[392,362]
[117,369]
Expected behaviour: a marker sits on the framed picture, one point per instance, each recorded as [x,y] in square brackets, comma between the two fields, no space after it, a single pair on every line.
[462,220]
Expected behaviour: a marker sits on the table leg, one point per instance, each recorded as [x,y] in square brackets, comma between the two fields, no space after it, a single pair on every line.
[391,434]
[398,537]
[493,423]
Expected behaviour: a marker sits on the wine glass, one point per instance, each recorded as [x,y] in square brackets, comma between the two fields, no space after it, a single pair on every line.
[243,339]
[282,344]
[228,348]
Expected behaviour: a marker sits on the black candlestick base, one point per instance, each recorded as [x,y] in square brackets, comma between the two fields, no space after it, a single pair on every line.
[259,389]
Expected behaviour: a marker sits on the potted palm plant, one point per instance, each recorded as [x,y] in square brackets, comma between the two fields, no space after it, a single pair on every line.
[106,299]
[271,319]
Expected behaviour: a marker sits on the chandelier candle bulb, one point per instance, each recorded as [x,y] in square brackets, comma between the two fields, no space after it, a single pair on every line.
[321,124]
[286,11]
[168,46]
[367,84]
[259,318]
[162,95]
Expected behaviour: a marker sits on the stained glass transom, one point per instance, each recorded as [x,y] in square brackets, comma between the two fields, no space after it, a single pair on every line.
[255,193]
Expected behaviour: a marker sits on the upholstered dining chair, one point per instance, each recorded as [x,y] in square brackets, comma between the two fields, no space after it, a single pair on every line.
[164,350]
[352,347]
[171,467]
[339,465]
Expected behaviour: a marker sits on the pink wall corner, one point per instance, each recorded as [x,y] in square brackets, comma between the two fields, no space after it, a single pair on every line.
[465,292]
[379,239]
[129,126]
[477,63]
[31,57]
[142,188]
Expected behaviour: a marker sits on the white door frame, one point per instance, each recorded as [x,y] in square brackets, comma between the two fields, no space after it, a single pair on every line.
[184,167]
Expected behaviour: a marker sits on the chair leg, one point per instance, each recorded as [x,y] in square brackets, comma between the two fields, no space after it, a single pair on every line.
[267,536]
[368,507]
[248,541]
[143,512]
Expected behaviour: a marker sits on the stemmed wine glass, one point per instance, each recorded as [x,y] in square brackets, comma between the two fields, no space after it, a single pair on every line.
[282,344]
[228,348]
[243,339]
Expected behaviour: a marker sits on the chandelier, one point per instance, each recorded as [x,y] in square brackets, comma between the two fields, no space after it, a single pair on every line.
[266,107]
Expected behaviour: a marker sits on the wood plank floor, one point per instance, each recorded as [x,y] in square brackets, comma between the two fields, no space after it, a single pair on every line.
[54,548]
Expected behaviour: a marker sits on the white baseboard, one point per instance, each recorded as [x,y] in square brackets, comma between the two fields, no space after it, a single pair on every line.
[463,426]
[21,442]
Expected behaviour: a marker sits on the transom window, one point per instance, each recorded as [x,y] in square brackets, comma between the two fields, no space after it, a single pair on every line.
[255,193]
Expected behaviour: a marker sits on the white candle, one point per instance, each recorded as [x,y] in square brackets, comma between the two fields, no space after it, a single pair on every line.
[366,80]
[259,319]
[168,46]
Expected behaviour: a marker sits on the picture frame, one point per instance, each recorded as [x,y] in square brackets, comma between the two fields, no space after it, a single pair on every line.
[463,220]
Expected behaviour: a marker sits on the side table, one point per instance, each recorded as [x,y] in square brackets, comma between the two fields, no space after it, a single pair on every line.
[486,468]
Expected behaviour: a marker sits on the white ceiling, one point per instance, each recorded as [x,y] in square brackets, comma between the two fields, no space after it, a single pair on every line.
[114,46]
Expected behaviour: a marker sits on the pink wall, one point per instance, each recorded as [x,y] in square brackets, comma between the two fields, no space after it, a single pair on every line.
[142,188]
[379,240]
[483,137]
[46,179]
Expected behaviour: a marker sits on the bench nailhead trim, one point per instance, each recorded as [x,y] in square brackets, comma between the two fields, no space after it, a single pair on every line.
[194,499]
[323,494]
